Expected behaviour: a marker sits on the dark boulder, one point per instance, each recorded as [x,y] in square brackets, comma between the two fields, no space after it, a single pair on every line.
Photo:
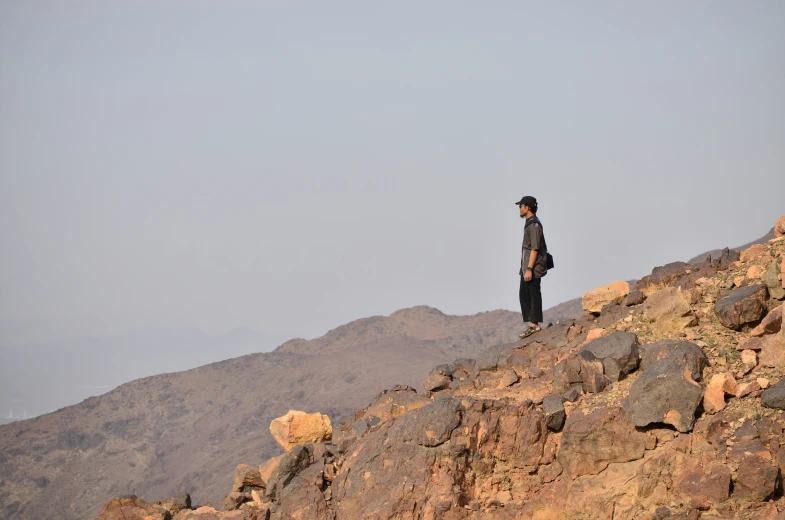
[664,393]
[292,463]
[553,408]
[741,306]
[686,351]
[774,396]
[618,353]
[636,297]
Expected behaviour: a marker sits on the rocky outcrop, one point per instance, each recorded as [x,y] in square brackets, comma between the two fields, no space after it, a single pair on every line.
[589,443]
[132,508]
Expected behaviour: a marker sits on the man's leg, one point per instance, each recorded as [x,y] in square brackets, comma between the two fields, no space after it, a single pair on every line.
[529,296]
[535,293]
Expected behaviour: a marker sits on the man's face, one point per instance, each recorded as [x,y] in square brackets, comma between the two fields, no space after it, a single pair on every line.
[524,210]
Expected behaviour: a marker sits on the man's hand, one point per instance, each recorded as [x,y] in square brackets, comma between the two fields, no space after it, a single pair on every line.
[527,276]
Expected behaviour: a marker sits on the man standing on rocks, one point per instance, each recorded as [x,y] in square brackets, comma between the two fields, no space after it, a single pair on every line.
[533,266]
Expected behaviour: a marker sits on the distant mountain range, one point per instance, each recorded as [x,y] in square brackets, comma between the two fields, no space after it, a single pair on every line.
[41,378]
[188,430]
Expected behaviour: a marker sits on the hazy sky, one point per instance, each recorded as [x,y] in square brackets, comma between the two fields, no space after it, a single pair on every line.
[292,166]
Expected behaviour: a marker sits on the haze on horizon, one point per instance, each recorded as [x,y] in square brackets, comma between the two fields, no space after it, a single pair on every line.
[291,168]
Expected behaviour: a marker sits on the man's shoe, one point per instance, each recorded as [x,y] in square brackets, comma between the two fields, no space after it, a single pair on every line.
[528,332]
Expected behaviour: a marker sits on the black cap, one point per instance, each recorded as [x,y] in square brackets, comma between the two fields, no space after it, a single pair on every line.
[528,200]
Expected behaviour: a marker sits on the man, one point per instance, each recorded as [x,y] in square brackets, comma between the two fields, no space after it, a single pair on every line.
[533,266]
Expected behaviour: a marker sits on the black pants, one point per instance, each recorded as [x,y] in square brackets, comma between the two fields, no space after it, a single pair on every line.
[531,300]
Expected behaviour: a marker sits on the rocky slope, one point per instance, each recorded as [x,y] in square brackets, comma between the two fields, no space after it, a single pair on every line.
[188,430]
[667,403]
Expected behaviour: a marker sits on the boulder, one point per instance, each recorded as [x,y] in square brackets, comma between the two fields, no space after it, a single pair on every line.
[636,297]
[714,396]
[131,508]
[752,253]
[438,379]
[688,352]
[573,394]
[617,352]
[779,227]
[754,272]
[772,351]
[293,462]
[774,396]
[666,393]
[593,301]
[771,278]
[269,467]
[756,480]
[567,373]
[668,311]
[509,377]
[753,343]
[589,443]
[662,276]
[748,357]
[703,485]
[592,373]
[246,478]
[553,408]
[771,324]
[297,428]
[745,389]
[595,334]
[177,503]
[743,305]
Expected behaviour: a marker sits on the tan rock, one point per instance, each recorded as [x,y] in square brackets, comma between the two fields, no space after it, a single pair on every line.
[763,382]
[748,357]
[770,324]
[752,253]
[782,272]
[745,389]
[595,334]
[246,476]
[297,428]
[714,396]
[729,385]
[668,311]
[593,301]
[754,272]
[267,469]
[739,280]
[779,227]
[772,352]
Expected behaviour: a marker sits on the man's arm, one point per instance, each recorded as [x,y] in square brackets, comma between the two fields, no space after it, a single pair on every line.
[533,258]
